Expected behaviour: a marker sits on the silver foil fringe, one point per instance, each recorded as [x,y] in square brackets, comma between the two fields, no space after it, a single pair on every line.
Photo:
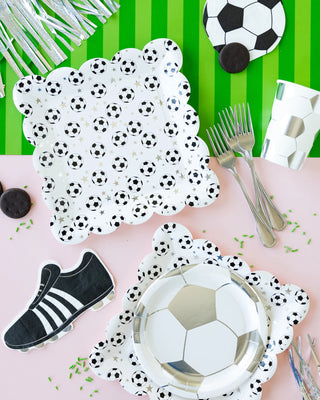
[35,27]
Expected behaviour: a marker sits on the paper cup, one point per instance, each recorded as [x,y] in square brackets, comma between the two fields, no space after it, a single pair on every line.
[294,125]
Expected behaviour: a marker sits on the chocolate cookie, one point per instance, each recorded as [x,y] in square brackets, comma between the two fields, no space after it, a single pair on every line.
[15,203]
[234,57]
[1,189]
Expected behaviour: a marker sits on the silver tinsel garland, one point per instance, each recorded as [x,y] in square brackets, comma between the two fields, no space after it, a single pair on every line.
[29,26]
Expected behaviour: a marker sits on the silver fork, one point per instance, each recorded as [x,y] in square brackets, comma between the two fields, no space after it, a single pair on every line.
[227,159]
[239,134]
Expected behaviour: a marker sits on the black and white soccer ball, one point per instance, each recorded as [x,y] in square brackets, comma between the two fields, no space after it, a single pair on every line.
[162,248]
[116,221]
[121,198]
[52,116]
[146,108]
[149,140]
[134,128]
[114,374]
[117,339]
[72,129]
[155,200]
[150,55]
[133,293]
[148,168]
[195,177]
[39,131]
[163,394]
[60,149]
[75,161]
[139,210]
[133,359]
[99,90]
[139,378]
[94,203]
[191,117]
[301,297]
[173,104]
[120,164]
[128,67]
[81,222]
[99,178]
[76,78]
[126,316]
[100,124]
[74,189]
[167,182]
[119,138]
[97,150]
[135,184]
[48,185]
[98,66]
[96,359]
[78,104]
[113,110]
[61,205]
[126,95]
[191,143]
[24,85]
[46,159]
[171,129]
[278,299]
[53,88]
[151,83]
[171,69]
[258,25]
[66,233]
[213,190]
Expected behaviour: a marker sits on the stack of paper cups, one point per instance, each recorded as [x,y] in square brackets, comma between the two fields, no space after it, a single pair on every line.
[294,125]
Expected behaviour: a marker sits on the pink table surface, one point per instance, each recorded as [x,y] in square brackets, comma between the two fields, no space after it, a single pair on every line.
[24,376]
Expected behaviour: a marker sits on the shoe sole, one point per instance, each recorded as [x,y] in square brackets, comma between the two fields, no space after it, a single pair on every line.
[59,333]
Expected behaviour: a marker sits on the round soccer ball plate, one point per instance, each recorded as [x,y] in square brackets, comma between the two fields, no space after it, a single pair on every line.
[200,331]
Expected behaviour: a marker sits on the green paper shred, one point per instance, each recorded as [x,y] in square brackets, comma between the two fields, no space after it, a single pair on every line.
[49,379]
[309,241]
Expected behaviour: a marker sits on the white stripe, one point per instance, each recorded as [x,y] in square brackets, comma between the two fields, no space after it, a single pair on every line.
[52,314]
[59,305]
[45,323]
[72,300]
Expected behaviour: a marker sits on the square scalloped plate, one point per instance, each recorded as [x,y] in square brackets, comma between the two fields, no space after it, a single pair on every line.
[116,141]
[184,366]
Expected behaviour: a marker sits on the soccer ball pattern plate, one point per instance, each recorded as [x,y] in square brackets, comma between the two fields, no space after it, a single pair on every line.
[256,24]
[199,330]
[116,141]
[115,358]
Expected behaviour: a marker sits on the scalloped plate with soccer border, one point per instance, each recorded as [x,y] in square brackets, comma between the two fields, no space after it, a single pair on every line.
[198,324]
[116,141]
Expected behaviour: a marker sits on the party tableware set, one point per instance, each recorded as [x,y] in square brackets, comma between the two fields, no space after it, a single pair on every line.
[115,142]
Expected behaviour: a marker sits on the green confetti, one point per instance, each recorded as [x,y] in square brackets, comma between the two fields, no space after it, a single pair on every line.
[303,233]
[203,231]
[72,366]
[25,186]
[82,359]
[236,239]
[289,222]
[83,364]
[70,375]
[81,388]
[49,379]
[89,379]
[271,197]
[290,210]
[240,254]
[77,371]
[28,227]
[251,236]
[241,244]
[309,241]
[17,229]
[86,369]
[285,215]
[95,391]
[32,204]
[78,363]
[10,238]
[294,251]
[245,235]
[314,214]
[22,223]
[251,266]
[56,387]
[31,222]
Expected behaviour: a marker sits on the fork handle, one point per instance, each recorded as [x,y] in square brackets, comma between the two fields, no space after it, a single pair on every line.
[265,233]
[274,216]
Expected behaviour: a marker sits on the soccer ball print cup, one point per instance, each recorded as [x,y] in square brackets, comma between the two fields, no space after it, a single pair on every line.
[294,125]
[243,30]
[197,324]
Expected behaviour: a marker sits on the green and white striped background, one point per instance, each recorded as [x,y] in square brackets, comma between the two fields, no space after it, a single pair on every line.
[296,59]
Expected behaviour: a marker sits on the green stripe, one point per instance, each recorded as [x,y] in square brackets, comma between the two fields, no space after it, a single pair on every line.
[175,21]
[238,88]
[111,36]
[79,55]
[302,42]
[3,109]
[270,76]
[254,98]
[142,23]
[95,44]
[315,45]
[206,79]
[222,88]
[127,24]
[191,48]
[286,55]
[159,19]
[13,117]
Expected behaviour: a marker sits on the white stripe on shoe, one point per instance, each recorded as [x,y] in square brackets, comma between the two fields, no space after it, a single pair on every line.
[72,300]
[52,314]
[67,314]
[47,327]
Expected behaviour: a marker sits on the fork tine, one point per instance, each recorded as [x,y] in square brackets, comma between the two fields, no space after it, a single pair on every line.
[224,145]
[229,122]
[250,119]
[240,121]
[245,126]
[211,142]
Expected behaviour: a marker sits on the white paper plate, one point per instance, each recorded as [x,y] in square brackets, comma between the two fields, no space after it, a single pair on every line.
[116,141]
[199,331]
[117,357]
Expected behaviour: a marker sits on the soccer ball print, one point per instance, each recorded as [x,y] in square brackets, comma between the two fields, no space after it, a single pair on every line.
[185,306]
[258,25]
[117,140]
